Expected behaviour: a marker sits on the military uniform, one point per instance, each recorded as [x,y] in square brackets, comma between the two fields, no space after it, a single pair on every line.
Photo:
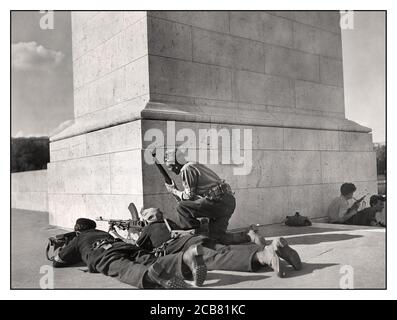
[207,195]
[128,263]
[216,256]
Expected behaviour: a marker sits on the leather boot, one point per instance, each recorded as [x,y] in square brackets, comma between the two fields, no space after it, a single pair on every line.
[193,258]
[269,257]
[157,275]
[284,251]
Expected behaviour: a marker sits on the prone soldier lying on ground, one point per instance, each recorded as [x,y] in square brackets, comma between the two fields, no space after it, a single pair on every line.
[156,236]
[128,263]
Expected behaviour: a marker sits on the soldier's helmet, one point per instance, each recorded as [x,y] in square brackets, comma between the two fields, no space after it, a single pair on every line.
[150,215]
[83,224]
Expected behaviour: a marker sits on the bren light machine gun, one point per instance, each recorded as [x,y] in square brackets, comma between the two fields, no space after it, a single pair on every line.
[133,226]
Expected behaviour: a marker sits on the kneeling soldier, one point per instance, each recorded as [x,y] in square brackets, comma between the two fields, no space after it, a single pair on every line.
[206,195]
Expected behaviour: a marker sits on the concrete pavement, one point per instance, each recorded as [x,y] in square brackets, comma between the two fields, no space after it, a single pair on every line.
[327,251]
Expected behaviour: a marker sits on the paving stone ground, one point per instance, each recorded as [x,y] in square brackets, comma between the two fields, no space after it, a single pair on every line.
[327,252]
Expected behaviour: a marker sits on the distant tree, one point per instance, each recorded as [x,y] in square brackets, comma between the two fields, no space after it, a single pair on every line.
[29,154]
[381,158]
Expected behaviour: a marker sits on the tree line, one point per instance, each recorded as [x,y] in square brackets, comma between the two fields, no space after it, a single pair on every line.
[29,154]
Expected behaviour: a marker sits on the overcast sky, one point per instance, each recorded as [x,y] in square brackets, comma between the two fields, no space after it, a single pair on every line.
[42,94]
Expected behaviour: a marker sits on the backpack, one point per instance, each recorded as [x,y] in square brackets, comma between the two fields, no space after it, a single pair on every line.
[58,242]
[297,221]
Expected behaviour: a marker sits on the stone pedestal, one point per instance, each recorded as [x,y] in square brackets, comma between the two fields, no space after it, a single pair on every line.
[277,75]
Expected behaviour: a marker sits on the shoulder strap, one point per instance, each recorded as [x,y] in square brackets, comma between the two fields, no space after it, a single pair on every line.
[167,224]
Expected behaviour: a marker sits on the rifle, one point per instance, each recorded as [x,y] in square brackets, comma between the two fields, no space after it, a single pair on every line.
[357,202]
[164,173]
[58,241]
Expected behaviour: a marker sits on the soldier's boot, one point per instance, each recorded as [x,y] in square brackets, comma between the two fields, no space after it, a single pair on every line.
[256,237]
[193,258]
[285,252]
[157,275]
[269,257]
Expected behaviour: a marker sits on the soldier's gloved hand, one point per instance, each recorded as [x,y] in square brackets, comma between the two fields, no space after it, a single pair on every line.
[171,188]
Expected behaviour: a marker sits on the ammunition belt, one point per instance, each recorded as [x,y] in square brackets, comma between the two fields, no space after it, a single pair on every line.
[217,192]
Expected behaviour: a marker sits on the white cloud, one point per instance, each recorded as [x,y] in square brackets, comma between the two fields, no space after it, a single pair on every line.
[21,134]
[32,56]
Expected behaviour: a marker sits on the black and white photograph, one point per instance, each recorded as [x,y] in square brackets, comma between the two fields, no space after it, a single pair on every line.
[198,150]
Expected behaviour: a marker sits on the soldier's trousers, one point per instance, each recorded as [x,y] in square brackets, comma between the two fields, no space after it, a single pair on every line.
[219,214]
[223,257]
[362,218]
[133,271]
[232,258]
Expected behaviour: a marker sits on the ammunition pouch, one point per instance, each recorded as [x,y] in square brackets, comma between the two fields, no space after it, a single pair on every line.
[217,192]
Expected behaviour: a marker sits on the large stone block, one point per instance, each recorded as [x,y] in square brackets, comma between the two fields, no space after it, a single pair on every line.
[29,181]
[111,206]
[291,63]
[102,27]
[169,39]
[210,20]
[263,138]
[319,97]
[305,199]
[114,139]
[126,83]
[259,205]
[313,40]
[71,148]
[65,209]
[262,27]
[223,50]
[326,20]
[301,139]
[331,71]
[35,201]
[88,175]
[259,88]
[355,141]
[126,173]
[339,167]
[282,168]
[175,77]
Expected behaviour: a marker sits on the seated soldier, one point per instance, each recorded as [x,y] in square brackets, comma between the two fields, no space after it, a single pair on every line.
[339,211]
[246,257]
[129,263]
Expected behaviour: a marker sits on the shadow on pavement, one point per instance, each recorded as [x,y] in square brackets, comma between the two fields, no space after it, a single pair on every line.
[308,268]
[319,238]
[229,279]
